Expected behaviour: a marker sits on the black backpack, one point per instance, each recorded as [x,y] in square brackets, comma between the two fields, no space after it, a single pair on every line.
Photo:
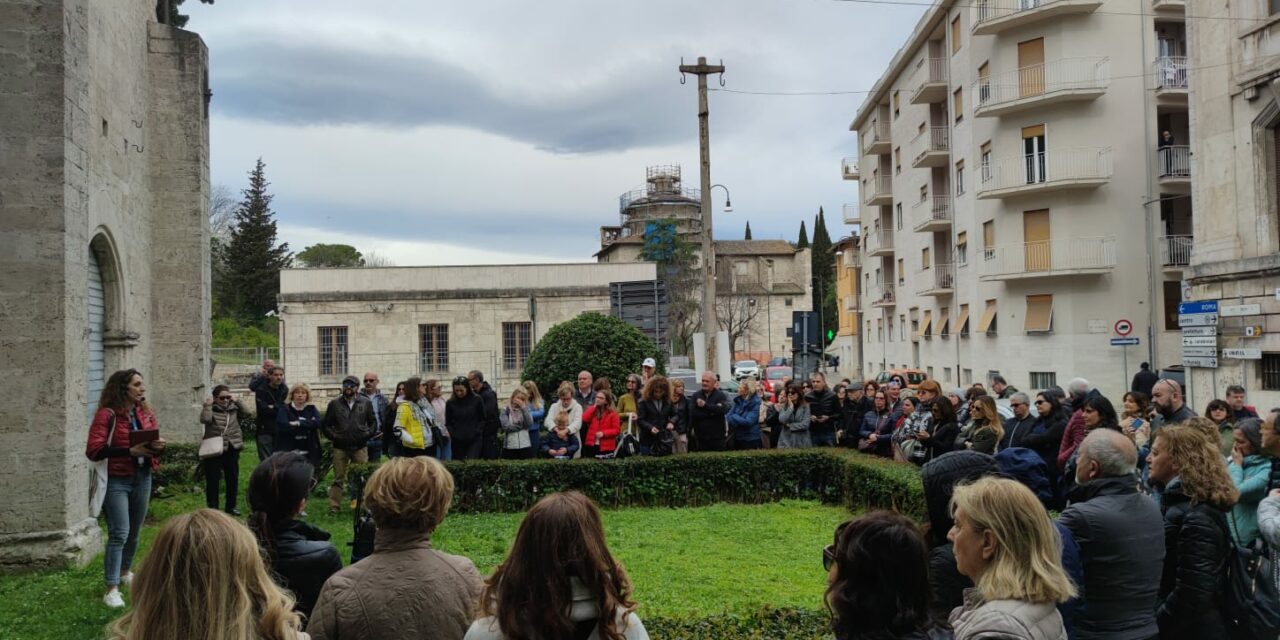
[627,446]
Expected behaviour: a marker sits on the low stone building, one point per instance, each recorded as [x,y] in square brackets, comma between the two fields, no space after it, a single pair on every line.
[104,239]
[433,321]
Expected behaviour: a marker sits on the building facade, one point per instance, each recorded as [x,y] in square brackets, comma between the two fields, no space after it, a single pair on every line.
[104,224]
[848,343]
[1016,198]
[438,322]
[1235,125]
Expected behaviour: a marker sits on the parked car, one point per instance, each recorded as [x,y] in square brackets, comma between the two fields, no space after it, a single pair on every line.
[746,368]
[779,362]
[913,377]
[773,376]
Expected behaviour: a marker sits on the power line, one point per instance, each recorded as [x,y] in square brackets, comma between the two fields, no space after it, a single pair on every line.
[911,3]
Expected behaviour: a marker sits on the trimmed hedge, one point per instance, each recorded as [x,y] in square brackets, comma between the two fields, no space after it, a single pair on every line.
[766,624]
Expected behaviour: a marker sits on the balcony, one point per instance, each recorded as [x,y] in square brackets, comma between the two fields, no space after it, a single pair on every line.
[1039,85]
[1175,252]
[851,214]
[1170,74]
[878,243]
[849,169]
[994,16]
[851,303]
[1173,165]
[932,214]
[849,259]
[1049,258]
[1169,5]
[879,191]
[881,295]
[931,148]
[938,280]
[931,81]
[876,139]
[1037,173]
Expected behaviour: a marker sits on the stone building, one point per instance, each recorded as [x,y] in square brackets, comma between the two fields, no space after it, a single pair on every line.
[758,282]
[1235,126]
[104,153]
[437,322]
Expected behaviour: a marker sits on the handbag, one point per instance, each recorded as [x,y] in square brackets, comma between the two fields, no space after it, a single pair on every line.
[1250,602]
[211,447]
[98,490]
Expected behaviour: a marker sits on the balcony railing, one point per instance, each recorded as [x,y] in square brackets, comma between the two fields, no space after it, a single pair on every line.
[851,303]
[849,168]
[882,295]
[851,214]
[1065,79]
[1046,171]
[876,137]
[1170,72]
[1174,161]
[993,16]
[1060,257]
[849,259]
[879,242]
[879,191]
[936,280]
[931,214]
[931,81]
[931,147]
[1175,251]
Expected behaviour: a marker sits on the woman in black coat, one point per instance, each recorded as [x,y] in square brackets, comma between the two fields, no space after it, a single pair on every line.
[877,422]
[298,425]
[654,413]
[1197,495]
[464,416]
[1046,435]
[940,438]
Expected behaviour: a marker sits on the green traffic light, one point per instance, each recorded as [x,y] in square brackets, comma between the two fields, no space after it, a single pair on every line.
[831,334]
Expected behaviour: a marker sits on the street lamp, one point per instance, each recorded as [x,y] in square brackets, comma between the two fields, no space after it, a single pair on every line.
[728,206]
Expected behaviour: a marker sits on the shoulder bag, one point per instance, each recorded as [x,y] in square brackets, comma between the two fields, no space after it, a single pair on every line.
[98,490]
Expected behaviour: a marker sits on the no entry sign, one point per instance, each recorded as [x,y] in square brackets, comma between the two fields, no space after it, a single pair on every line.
[1123,327]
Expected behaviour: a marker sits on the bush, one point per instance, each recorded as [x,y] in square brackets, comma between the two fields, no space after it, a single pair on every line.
[179,465]
[579,344]
[766,624]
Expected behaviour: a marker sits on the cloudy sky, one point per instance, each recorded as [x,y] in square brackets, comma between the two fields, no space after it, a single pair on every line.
[504,131]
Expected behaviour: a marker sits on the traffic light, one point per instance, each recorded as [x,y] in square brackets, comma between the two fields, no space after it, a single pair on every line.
[831,335]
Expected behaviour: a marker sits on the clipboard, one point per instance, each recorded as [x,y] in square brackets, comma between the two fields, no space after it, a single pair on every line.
[142,436]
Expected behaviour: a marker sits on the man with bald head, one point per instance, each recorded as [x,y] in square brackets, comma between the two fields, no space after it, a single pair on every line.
[1166,397]
[584,393]
[1121,537]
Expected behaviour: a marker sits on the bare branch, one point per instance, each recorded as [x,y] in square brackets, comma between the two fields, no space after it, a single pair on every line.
[222,209]
[375,259]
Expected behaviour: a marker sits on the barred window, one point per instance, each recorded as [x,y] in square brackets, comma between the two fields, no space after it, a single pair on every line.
[433,348]
[1271,371]
[516,343]
[1041,380]
[333,351]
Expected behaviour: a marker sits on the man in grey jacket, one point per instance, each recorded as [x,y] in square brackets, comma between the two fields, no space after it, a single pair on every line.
[1121,537]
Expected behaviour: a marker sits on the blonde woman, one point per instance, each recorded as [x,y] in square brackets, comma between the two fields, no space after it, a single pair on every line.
[1005,542]
[681,403]
[516,423]
[204,579]
[564,404]
[984,430]
[538,410]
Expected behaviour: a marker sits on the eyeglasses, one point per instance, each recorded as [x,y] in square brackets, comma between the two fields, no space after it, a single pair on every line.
[348,384]
[828,556]
[1042,402]
[370,380]
[1017,404]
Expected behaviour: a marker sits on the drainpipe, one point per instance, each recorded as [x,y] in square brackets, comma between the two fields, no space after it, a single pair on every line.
[1153,350]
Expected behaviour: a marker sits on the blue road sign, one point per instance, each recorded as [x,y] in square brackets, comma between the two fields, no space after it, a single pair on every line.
[1124,342]
[1199,306]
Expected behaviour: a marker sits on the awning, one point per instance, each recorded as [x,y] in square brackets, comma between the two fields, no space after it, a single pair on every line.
[988,317]
[943,320]
[924,326]
[1039,314]
[962,323]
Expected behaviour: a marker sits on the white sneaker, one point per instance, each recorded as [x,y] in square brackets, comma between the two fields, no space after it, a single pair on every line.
[127,579]
[113,599]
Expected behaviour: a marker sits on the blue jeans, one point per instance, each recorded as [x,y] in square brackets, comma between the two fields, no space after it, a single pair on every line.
[444,449]
[375,449]
[125,509]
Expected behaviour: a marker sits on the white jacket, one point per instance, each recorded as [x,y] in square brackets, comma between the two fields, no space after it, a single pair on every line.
[556,408]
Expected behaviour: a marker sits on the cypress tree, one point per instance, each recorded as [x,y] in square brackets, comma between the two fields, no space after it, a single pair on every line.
[253,259]
[747,236]
[823,263]
[803,242]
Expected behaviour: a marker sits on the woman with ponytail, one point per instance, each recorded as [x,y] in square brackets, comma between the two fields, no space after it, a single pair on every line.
[300,555]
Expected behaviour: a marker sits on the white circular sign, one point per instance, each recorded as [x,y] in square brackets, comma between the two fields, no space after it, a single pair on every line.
[1123,328]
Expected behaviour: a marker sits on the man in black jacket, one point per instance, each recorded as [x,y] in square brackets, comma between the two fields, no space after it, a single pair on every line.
[489,433]
[1018,427]
[824,412]
[1144,379]
[707,409]
[349,422]
[1121,536]
[1166,397]
[269,394]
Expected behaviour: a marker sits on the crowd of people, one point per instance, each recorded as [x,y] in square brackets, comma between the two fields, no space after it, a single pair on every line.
[1151,501]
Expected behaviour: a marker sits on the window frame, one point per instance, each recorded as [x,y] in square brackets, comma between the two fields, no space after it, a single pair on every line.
[433,349]
[517,344]
[333,350]
[1038,305]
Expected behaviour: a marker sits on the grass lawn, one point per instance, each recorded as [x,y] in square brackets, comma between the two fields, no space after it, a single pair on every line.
[683,562]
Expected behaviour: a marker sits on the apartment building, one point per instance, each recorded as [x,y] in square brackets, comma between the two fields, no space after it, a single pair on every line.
[1018,196]
[848,344]
[1235,125]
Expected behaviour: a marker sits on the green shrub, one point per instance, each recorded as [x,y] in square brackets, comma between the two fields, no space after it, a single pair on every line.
[578,344]
[766,624]
[178,466]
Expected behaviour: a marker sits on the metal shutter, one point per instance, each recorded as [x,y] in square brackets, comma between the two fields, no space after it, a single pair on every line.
[96,363]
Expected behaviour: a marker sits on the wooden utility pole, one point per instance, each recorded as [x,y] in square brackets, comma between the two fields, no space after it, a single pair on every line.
[709,325]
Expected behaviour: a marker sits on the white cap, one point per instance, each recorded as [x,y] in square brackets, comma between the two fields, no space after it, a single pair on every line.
[650,362]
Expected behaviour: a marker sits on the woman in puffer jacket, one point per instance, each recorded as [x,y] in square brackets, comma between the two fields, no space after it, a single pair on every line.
[221,417]
[876,435]
[414,421]
[1197,494]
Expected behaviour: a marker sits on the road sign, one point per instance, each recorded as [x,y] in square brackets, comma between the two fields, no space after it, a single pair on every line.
[1242,354]
[1199,331]
[1203,363]
[1123,328]
[1198,320]
[1229,310]
[1200,306]
[1253,332]
[1199,352]
[1124,342]
[1193,341]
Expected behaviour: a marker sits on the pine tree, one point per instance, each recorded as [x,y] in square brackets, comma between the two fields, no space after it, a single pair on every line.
[823,262]
[747,235]
[803,242]
[254,259]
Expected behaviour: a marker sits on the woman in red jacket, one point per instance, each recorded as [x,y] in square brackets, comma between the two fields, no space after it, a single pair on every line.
[601,435]
[122,409]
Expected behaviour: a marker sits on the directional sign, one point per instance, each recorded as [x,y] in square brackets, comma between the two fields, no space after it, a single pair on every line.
[1199,331]
[1253,332]
[1192,341]
[1204,363]
[1200,306]
[1123,328]
[1242,354]
[1124,342]
[1198,320]
[1240,310]
[1199,352]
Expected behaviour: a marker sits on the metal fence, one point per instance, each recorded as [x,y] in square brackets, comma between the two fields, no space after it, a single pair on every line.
[245,355]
